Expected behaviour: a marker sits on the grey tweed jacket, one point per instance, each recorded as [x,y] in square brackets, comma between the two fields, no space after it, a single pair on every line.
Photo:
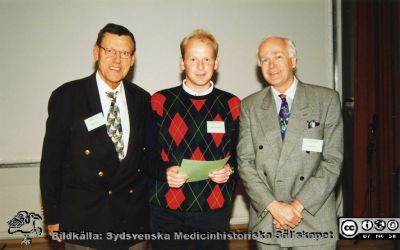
[274,170]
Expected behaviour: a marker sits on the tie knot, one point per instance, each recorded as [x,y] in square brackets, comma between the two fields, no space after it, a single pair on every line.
[112,95]
[283,97]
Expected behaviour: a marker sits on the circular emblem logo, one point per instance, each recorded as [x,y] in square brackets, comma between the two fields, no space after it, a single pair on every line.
[367,225]
[380,225]
[349,228]
[393,225]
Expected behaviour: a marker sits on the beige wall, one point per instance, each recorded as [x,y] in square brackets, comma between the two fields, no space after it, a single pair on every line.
[45,43]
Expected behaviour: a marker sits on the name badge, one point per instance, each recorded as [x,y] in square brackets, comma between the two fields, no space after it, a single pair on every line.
[95,121]
[313,145]
[216,127]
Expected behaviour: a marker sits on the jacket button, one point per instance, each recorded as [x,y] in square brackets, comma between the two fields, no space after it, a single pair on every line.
[87,152]
[109,192]
[302,178]
[265,174]
[131,191]
[100,173]
[144,148]
[260,147]
[138,170]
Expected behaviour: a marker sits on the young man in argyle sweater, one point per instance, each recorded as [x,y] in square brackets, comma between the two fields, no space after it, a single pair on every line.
[177,129]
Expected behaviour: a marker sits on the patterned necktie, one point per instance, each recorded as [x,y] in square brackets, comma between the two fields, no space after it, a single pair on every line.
[113,124]
[283,115]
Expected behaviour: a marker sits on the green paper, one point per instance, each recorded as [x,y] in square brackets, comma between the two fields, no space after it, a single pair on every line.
[199,170]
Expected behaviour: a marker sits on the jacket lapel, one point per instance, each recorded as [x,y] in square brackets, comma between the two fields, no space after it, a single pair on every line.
[131,107]
[268,120]
[93,97]
[297,123]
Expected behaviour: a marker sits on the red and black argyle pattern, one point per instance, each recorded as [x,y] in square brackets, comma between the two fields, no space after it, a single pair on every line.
[181,133]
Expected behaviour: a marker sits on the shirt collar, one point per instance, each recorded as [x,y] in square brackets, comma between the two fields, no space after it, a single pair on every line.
[290,92]
[194,93]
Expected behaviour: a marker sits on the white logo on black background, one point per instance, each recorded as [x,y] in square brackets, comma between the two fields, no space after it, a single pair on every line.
[393,225]
[367,225]
[380,225]
[349,228]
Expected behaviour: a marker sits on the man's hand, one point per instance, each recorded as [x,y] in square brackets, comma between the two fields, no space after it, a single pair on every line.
[174,178]
[297,205]
[53,227]
[276,224]
[285,216]
[222,175]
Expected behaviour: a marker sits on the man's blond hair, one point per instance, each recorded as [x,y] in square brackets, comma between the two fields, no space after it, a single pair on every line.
[203,36]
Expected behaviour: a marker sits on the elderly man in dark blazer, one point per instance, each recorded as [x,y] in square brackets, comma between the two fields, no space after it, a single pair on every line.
[290,154]
[91,179]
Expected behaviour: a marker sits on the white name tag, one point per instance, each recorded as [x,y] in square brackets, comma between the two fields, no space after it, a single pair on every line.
[216,127]
[95,121]
[313,145]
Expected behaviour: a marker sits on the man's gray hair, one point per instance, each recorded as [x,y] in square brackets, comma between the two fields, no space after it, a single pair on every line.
[290,45]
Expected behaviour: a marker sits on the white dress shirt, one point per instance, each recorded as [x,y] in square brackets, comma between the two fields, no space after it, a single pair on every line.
[120,102]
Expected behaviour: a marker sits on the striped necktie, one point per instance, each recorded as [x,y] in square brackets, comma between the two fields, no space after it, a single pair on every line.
[113,124]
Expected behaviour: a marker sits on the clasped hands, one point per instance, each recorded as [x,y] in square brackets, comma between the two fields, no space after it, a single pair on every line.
[285,216]
[176,179]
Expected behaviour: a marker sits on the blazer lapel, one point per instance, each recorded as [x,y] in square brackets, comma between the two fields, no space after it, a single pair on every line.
[297,123]
[268,120]
[93,95]
[133,122]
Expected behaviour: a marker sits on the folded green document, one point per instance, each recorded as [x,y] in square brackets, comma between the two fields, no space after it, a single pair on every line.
[199,170]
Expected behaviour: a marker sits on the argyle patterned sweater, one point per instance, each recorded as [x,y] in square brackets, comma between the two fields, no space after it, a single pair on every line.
[176,130]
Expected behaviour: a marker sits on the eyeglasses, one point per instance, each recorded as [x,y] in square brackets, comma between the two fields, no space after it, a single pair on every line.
[112,52]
